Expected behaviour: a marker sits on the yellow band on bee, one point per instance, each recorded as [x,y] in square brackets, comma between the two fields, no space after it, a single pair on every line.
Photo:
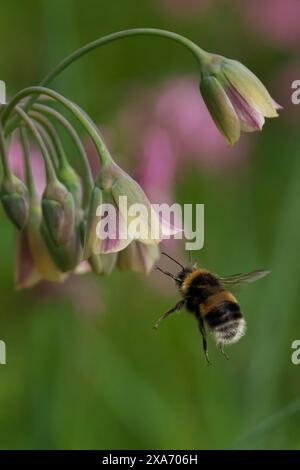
[214,300]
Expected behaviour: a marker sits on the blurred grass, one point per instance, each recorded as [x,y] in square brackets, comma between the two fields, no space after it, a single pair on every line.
[73,381]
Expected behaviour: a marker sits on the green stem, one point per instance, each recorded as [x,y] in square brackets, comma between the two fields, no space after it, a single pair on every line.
[26,155]
[50,172]
[85,166]
[48,143]
[54,137]
[198,53]
[83,118]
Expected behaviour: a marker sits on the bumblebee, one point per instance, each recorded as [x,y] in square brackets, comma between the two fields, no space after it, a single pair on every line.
[208,297]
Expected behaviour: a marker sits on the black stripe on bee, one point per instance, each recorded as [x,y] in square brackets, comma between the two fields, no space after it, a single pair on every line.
[226,311]
[227,322]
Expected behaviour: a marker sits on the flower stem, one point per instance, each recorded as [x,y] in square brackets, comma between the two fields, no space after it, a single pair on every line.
[26,155]
[48,143]
[54,137]
[50,171]
[83,118]
[88,181]
[198,53]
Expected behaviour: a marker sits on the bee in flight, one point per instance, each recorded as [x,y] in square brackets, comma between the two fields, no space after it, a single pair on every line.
[207,296]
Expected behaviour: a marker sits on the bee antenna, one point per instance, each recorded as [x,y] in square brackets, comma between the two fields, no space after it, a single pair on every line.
[175,261]
[167,273]
[190,256]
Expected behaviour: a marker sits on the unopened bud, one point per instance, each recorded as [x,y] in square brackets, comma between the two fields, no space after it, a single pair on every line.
[14,197]
[67,256]
[59,212]
[43,259]
[69,178]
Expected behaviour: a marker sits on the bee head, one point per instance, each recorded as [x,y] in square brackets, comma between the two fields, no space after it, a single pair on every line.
[181,276]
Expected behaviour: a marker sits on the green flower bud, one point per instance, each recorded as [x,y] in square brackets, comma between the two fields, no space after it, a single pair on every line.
[44,263]
[69,178]
[14,197]
[59,213]
[67,256]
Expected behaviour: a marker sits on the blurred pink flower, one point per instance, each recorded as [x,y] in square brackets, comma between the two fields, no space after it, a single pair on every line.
[157,164]
[174,133]
[278,21]
[15,157]
[180,108]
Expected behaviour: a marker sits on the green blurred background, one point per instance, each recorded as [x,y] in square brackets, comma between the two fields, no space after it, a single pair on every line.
[104,380]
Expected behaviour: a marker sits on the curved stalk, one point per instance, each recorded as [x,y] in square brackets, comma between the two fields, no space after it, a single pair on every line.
[49,144]
[54,137]
[50,172]
[85,166]
[199,54]
[83,118]
[26,156]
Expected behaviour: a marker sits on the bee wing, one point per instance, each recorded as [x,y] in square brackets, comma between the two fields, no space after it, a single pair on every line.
[240,280]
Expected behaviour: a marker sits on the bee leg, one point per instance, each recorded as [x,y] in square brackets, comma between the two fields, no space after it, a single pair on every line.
[204,341]
[178,306]
[223,352]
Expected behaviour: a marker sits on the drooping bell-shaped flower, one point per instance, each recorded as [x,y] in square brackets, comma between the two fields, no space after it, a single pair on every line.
[236,99]
[119,213]
[138,257]
[14,197]
[103,263]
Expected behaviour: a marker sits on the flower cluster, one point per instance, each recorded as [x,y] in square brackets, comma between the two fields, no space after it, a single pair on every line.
[58,227]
